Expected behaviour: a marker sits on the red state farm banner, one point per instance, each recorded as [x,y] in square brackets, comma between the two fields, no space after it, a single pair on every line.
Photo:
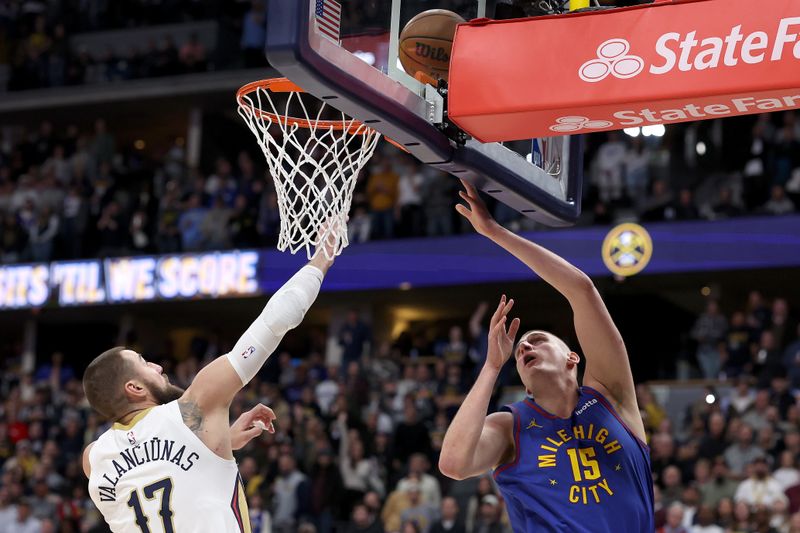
[604,70]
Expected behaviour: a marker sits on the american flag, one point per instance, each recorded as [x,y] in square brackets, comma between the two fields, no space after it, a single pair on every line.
[329,17]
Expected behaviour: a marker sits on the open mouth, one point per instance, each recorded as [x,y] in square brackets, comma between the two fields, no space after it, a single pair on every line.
[528,359]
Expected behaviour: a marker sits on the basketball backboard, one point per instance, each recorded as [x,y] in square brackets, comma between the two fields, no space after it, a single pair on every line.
[358,73]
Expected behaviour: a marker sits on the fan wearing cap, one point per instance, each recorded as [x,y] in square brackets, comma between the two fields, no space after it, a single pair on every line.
[760,488]
[420,512]
[568,457]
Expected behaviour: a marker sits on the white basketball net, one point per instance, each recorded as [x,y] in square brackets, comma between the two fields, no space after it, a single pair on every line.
[314,168]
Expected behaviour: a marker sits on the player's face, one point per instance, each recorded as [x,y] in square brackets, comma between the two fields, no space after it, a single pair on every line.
[155,380]
[539,354]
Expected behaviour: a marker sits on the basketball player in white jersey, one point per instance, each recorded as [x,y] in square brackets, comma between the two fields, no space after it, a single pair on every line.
[166,465]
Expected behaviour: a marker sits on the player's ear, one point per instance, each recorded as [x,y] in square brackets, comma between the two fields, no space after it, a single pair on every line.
[573,358]
[135,390]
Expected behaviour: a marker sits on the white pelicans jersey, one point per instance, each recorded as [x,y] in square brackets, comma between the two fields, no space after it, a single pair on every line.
[154,475]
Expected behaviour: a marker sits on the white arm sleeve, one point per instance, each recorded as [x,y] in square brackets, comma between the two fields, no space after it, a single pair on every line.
[284,311]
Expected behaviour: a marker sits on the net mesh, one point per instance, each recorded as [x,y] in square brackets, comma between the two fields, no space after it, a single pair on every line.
[314,154]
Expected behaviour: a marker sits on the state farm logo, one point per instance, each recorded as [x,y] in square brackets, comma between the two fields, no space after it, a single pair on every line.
[612,59]
[694,51]
[573,124]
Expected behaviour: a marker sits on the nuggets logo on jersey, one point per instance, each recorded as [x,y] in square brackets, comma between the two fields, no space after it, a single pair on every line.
[589,462]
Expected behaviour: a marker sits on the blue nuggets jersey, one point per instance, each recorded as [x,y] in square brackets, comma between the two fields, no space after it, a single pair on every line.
[586,473]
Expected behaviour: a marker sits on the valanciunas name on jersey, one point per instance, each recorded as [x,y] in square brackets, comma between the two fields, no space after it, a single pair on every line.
[149,451]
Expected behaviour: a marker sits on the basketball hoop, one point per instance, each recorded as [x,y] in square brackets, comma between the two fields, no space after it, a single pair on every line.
[314,153]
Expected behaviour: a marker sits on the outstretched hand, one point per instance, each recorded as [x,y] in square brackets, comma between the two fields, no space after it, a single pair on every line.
[475,211]
[328,238]
[250,425]
[501,340]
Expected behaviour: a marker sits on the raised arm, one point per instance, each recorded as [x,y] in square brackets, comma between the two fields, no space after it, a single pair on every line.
[217,383]
[474,442]
[204,406]
[607,365]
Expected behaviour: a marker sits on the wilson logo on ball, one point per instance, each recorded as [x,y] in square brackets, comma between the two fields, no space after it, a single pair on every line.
[433,53]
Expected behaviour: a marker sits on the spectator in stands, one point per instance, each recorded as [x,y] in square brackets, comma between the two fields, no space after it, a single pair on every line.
[428,485]
[437,202]
[760,488]
[709,330]
[363,522]
[327,489]
[674,520]
[287,495]
[409,199]
[354,337]
[684,208]
[637,170]
[490,516]
[738,345]
[260,519]
[193,55]
[658,206]
[725,207]
[609,165]
[706,521]
[42,234]
[111,231]
[782,325]
[421,512]
[778,203]
[359,472]
[714,443]
[24,521]
[411,435]
[102,145]
[721,486]
[243,224]
[214,226]
[448,518]
[254,35]
[382,194]
[768,359]
[13,239]
[791,359]
[191,224]
[756,415]
[742,452]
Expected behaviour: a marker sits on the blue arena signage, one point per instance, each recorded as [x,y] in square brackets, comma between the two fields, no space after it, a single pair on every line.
[130,279]
[697,246]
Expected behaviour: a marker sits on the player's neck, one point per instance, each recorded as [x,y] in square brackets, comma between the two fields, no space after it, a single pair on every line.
[558,396]
[131,414]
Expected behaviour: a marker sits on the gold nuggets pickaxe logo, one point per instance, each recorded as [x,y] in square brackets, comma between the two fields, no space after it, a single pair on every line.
[627,249]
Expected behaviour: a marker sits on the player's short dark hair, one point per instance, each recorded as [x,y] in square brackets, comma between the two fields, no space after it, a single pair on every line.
[103,382]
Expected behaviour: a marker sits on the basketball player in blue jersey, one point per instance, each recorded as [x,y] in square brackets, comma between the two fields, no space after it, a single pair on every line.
[568,458]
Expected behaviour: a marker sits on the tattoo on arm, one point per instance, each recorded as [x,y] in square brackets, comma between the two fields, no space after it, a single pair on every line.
[192,415]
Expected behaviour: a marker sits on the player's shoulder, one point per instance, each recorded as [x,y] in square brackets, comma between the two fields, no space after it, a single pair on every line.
[87,467]
[501,420]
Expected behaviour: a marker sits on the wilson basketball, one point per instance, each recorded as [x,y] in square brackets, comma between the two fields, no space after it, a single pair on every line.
[426,42]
